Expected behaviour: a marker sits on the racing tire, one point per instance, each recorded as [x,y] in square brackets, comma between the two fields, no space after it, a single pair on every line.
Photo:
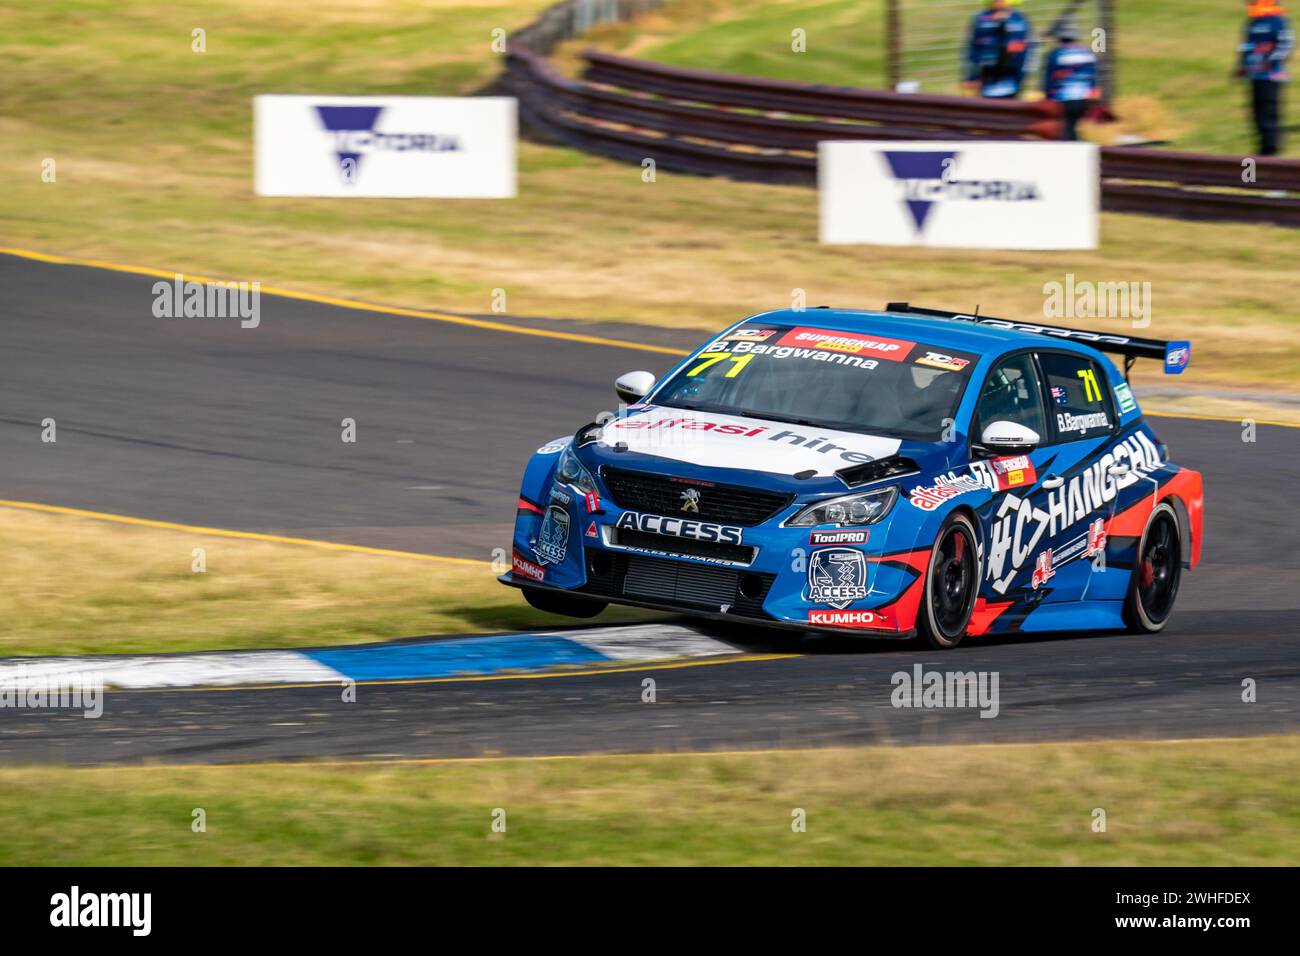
[556,603]
[1153,587]
[952,581]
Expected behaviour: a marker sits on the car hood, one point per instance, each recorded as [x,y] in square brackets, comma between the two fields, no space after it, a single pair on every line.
[711,440]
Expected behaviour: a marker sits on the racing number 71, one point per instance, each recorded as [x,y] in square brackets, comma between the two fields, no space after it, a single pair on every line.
[1091,390]
[712,358]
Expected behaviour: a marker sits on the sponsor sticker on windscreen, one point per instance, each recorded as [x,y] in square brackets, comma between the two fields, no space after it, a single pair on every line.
[828,340]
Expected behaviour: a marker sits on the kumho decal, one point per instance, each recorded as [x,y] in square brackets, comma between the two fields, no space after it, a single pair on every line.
[872,620]
[525,567]
[1019,526]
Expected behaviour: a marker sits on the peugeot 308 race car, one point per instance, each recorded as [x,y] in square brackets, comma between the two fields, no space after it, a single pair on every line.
[877,473]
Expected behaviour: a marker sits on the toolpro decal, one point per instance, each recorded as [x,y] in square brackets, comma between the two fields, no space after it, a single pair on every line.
[1019,527]
[681,527]
[553,539]
[838,537]
[830,341]
[837,576]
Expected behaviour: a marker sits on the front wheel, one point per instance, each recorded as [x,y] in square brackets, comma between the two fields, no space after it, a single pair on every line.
[951,584]
[553,602]
[1154,584]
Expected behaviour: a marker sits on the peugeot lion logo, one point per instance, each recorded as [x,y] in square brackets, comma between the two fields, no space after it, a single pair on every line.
[691,500]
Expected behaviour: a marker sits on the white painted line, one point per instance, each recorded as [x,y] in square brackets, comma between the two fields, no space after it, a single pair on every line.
[251,667]
[646,642]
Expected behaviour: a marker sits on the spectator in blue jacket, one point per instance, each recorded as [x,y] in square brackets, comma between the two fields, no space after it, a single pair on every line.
[997,50]
[1070,78]
[1264,51]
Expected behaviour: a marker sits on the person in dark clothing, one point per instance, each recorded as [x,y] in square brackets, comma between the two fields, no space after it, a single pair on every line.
[1268,43]
[997,50]
[1070,78]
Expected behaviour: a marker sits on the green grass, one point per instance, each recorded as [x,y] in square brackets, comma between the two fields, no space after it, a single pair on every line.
[1173,60]
[1175,804]
[79,586]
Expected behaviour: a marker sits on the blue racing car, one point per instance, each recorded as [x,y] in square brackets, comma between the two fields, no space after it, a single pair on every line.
[911,471]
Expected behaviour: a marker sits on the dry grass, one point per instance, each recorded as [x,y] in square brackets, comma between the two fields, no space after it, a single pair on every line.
[78,586]
[153,145]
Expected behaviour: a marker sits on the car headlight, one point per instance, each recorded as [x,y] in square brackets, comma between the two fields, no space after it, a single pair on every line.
[570,471]
[849,510]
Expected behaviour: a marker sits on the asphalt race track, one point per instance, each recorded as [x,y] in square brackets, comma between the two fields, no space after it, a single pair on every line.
[199,421]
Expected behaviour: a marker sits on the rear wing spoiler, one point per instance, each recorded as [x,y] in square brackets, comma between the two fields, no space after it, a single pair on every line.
[1175,355]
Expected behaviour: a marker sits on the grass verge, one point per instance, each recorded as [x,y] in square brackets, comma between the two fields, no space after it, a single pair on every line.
[80,586]
[1199,803]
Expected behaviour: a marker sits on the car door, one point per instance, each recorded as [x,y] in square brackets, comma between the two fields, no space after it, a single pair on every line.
[1015,520]
[1080,488]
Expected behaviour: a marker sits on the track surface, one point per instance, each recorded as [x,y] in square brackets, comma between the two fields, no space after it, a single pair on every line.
[202,422]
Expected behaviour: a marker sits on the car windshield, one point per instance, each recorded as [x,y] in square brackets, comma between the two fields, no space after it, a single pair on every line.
[851,381]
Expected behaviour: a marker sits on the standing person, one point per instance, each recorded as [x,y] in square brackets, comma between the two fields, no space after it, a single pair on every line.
[1070,78]
[1264,52]
[997,50]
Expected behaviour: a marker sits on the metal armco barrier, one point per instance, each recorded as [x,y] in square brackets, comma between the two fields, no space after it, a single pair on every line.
[749,128]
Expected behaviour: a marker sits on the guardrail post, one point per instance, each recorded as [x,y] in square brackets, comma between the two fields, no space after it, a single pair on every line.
[893,44]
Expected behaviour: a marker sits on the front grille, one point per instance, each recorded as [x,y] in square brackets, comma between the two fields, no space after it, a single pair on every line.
[671,544]
[677,583]
[680,583]
[725,504]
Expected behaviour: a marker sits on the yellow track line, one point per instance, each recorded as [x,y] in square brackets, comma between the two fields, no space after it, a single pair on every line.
[244,535]
[350,303]
[667,754]
[1216,418]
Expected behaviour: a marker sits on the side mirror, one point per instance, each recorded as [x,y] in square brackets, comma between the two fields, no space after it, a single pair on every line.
[1009,438]
[631,387]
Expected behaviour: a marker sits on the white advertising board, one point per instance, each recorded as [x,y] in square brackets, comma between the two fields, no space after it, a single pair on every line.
[968,194]
[395,146]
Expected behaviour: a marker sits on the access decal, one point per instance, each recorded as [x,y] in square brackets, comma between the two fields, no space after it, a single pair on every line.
[553,539]
[681,527]
[837,576]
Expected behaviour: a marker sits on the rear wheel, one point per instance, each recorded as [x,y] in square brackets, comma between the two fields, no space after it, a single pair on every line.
[1154,585]
[951,584]
[553,602]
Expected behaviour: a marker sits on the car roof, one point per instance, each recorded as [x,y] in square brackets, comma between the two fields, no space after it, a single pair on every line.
[927,330]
